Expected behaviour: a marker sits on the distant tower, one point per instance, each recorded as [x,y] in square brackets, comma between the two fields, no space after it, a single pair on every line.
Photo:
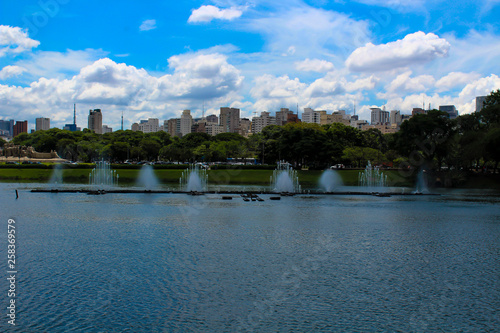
[122,120]
[203,111]
[74,114]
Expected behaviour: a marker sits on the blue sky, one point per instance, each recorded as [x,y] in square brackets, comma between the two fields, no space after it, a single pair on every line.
[156,58]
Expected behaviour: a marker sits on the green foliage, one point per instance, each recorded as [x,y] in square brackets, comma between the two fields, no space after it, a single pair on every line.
[360,156]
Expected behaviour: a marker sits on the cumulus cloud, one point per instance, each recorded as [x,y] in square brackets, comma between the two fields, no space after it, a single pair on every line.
[464,101]
[406,83]
[455,79]
[200,76]
[367,83]
[416,48]
[480,87]
[325,87]
[332,92]
[14,40]
[148,25]
[314,65]
[112,86]
[11,71]
[207,13]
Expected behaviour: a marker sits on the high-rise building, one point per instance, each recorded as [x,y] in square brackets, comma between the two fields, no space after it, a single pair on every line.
[480,102]
[106,129]
[214,129]
[282,116]
[151,125]
[20,127]
[42,124]
[335,117]
[95,121]
[245,127]
[186,122]
[416,111]
[450,109]
[311,116]
[230,119]
[7,127]
[71,127]
[212,119]
[379,117]
[258,123]
[174,127]
[395,117]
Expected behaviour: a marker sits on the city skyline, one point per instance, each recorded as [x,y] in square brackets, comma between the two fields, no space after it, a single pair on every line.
[155,62]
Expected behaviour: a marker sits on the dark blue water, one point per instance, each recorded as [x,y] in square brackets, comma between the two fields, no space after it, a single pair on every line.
[167,263]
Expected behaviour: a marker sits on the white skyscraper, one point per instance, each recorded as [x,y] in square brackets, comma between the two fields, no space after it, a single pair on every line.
[186,122]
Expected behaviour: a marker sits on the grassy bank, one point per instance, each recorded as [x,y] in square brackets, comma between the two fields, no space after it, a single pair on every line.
[171,176]
[307,178]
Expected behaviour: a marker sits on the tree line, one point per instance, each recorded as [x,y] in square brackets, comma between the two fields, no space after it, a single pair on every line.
[468,142]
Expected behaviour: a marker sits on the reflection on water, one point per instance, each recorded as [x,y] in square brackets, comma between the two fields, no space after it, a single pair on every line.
[167,262]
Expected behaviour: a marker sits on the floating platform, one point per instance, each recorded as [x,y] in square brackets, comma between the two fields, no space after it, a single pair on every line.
[244,194]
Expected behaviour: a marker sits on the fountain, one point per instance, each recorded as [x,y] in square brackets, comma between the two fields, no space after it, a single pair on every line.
[57,175]
[285,179]
[372,177]
[194,179]
[330,180]
[103,175]
[421,187]
[147,178]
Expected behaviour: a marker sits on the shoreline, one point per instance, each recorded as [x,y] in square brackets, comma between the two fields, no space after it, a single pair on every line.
[249,177]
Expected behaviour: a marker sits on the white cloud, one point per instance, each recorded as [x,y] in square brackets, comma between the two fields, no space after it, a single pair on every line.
[59,64]
[314,65]
[270,91]
[476,52]
[332,92]
[208,13]
[416,48]
[11,71]
[200,76]
[404,83]
[325,87]
[400,5]
[14,40]
[463,101]
[455,79]
[367,83]
[313,32]
[148,25]
[480,87]
[117,87]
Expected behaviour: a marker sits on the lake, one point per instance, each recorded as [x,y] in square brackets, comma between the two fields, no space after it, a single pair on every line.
[174,263]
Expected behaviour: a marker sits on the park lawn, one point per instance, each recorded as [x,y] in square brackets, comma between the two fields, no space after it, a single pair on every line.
[25,175]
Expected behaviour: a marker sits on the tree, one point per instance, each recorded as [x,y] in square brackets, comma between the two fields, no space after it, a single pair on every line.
[120,151]
[424,138]
[151,149]
[361,155]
